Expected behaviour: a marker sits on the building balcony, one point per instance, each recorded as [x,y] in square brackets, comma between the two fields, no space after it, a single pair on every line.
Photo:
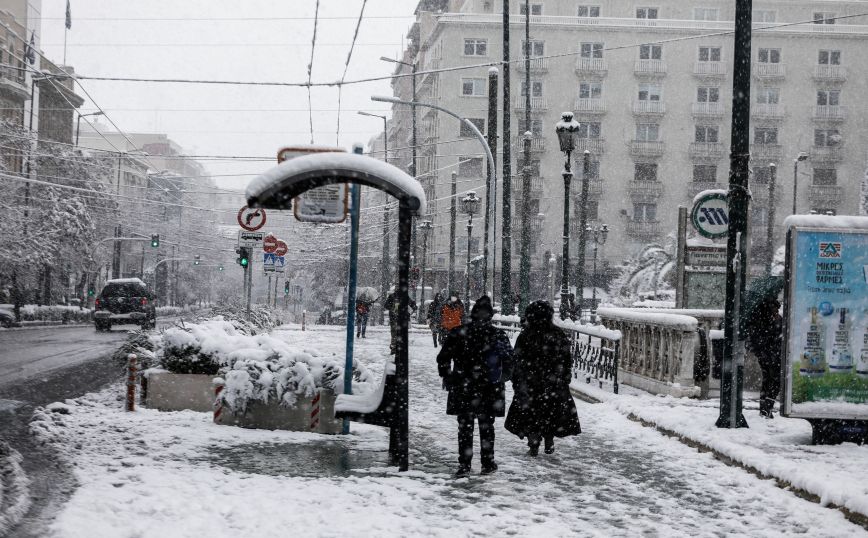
[589,106]
[826,194]
[595,188]
[537,65]
[645,190]
[759,192]
[536,186]
[646,148]
[695,187]
[709,69]
[648,108]
[830,73]
[766,151]
[826,154]
[536,103]
[768,111]
[643,229]
[709,150]
[592,66]
[12,83]
[769,71]
[830,113]
[652,68]
[575,228]
[709,110]
[596,146]
[537,143]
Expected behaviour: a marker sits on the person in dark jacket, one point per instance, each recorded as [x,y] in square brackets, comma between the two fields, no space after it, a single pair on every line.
[434,317]
[391,305]
[542,407]
[475,363]
[764,336]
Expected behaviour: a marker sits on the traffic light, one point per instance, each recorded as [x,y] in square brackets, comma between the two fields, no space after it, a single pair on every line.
[286,288]
[91,292]
[219,267]
[243,256]
[155,240]
[196,259]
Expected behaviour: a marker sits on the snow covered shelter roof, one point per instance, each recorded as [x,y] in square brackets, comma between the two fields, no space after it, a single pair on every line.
[276,188]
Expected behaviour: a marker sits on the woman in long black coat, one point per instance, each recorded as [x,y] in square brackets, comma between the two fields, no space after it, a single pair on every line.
[543,407]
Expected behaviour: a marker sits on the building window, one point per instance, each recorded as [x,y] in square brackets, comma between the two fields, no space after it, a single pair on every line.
[590,129]
[533,163]
[537,48]
[769,56]
[536,88]
[593,169]
[762,175]
[705,13]
[535,9]
[589,11]
[466,132]
[706,133]
[646,12]
[764,15]
[536,126]
[473,87]
[590,90]
[824,17]
[649,92]
[709,54]
[765,135]
[647,132]
[759,217]
[593,209]
[825,176]
[650,52]
[827,138]
[768,96]
[643,212]
[645,171]
[476,47]
[470,166]
[591,50]
[705,173]
[829,57]
[708,95]
[828,97]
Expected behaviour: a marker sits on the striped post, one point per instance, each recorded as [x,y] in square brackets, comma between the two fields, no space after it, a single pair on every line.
[131,382]
[219,385]
[314,412]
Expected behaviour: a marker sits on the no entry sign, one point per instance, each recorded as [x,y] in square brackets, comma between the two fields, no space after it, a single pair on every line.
[281,249]
[251,219]
[269,244]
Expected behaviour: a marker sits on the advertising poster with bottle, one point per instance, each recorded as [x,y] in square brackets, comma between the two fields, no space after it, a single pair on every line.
[827,327]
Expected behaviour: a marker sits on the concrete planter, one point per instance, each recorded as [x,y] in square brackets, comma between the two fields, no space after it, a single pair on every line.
[301,418]
[178,392]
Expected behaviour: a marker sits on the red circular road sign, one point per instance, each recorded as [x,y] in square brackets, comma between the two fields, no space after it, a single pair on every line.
[251,219]
[281,249]
[269,244]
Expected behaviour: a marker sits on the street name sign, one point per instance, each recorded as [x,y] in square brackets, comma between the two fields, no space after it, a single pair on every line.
[251,219]
[326,204]
[710,215]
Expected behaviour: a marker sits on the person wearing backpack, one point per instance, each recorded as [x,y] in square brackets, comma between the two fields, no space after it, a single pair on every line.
[475,362]
[542,407]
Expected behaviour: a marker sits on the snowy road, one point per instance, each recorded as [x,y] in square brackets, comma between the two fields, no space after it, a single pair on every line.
[152,474]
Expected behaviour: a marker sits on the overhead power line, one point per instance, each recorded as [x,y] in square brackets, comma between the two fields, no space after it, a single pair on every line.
[346,66]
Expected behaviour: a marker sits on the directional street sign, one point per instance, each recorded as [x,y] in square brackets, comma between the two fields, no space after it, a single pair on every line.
[251,219]
[269,244]
[250,239]
[328,204]
[710,215]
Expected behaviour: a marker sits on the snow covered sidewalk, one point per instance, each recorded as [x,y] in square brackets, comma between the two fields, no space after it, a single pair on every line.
[780,448]
[163,475]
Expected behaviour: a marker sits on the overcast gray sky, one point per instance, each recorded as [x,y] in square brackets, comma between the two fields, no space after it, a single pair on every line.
[264,40]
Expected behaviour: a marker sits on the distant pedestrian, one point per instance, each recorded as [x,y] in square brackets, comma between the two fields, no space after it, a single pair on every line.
[435,316]
[764,328]
[542,407]
[391,305]
[451,314]
[475,363]
[363,310]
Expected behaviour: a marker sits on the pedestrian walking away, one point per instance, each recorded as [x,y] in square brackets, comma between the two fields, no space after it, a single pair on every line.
[434,317]
[451,314]
[542,407]
[391,305]
[363,310]
[475,363]
[762,330]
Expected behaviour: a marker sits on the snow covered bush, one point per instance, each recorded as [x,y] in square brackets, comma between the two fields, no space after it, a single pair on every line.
[57,313]
[262,318]
[141,343]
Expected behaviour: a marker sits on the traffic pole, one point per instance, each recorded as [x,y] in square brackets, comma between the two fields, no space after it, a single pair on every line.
[248,272]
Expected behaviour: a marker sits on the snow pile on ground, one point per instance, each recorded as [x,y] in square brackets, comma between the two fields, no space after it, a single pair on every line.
[14,491]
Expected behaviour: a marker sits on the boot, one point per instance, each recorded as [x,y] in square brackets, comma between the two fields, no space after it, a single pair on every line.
[533,449]
[463,471]
[550,445]
[488,468]
[766,407]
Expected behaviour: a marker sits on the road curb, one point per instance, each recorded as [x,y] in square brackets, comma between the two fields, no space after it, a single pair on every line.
[14,490]
[857,518]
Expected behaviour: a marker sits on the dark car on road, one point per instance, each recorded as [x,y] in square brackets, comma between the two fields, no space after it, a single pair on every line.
[124,301]
[7,319]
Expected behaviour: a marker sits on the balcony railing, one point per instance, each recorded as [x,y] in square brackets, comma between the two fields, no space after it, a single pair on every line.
[575,227]
[826,153]
[645,189]
[826,193]
[763,70]
[596,146]
[695,187]
[644,148]
[536,185]
[709,69]
[595,188]
[707,149]
[537,65]
[772,111]
[592,65]
[537,143]
[830,73]
[536,103]
[766,151]
[830,112]
[648,107]
[643,229]
[708,109]
[649,67]
[590,106]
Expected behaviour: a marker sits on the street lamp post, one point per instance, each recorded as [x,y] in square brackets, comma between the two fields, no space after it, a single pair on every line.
[598,234]
[78,123]
[450,278]
[801,157]
[770,216]
[425,226]
[568,131]
[469,206]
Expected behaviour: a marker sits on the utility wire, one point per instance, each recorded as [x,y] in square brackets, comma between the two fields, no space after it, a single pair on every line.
[347,66]
[310,70]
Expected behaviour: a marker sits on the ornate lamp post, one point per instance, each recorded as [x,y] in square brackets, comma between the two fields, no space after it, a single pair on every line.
[425,228]
[568,132]
[598,235]
[469,206]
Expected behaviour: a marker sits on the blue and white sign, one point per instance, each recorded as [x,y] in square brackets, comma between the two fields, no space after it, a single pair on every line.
[273,262]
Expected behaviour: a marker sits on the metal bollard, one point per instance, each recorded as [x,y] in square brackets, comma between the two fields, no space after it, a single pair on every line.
[131,382]
[219,385]
[303,316]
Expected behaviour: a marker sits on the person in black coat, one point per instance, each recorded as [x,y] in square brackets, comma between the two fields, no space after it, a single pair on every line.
[542,407]
[764,336]
[475,362]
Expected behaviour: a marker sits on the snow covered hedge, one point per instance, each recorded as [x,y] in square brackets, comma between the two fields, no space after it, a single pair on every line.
[57,313]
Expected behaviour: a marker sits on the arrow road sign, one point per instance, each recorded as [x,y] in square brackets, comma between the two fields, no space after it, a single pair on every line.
[251,219]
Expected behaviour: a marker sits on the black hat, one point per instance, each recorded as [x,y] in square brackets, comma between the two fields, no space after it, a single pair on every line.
[539,313]
[482,309]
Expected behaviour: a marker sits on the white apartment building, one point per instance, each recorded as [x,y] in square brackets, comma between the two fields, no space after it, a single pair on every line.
[651,84]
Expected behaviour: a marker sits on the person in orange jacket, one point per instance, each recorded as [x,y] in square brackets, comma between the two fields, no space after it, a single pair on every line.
[451,314]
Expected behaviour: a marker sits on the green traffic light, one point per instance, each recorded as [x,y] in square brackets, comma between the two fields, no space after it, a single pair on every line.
[244,262]
[220,268]
[155,240]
